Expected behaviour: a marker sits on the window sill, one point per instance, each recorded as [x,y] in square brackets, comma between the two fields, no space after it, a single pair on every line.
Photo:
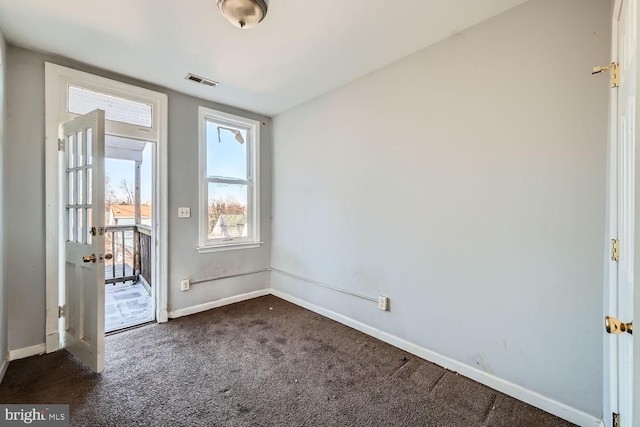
[228,247]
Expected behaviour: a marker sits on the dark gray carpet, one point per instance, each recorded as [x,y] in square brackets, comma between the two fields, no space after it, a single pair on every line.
[263,362]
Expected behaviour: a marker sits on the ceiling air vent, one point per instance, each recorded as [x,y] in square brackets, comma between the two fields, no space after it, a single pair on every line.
[201,80]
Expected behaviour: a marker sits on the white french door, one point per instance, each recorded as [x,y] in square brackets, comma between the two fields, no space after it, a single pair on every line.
[82,168]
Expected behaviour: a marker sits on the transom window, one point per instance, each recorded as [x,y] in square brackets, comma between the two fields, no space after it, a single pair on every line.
[229,185]
[82,101]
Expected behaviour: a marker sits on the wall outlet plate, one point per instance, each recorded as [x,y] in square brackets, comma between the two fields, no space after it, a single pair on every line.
[383,303]
[184,285]
[184,212]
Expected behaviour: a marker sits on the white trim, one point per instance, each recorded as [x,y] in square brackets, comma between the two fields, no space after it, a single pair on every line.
[56,78]
[52,246]
[532,398]
[219,303]
[21,353]
[5,365]
[161,222]
[610,402]
[252,182]
[52,342]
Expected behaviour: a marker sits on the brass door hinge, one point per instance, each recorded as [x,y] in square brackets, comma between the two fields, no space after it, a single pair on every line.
[61,311]
[60,144]
[615,73]
[616,420]
[615,250]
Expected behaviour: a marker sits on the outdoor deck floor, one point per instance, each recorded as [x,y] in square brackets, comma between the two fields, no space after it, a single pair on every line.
[108,271]
[126,304]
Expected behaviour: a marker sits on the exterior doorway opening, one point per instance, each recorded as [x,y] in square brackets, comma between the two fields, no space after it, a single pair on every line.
[129,206]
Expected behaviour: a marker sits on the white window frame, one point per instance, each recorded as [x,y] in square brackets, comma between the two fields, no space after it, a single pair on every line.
[253,181]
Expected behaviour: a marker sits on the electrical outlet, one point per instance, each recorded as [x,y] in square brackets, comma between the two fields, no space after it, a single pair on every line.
[184,212]
[185,285]
[383,303]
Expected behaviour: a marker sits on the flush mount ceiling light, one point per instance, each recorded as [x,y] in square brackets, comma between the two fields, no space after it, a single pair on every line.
[243,13]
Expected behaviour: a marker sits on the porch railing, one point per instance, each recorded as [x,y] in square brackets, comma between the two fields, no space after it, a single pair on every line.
[144,243]
[130,246]
[119,241]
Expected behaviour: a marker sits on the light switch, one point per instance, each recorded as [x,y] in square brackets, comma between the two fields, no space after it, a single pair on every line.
[184,212]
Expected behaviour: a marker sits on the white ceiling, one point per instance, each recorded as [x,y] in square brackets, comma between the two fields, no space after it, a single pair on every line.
[301,50]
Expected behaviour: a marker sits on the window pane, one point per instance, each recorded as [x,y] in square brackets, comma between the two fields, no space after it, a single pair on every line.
[81,189]
[71,178]
[227,211]
[83,101]
[80,147]
[81,236]
[89,147]
[71,226]
[89,223]
[71,151]
[89,185]
[226,151]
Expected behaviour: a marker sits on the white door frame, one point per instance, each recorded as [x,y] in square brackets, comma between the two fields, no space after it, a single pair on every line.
[57,78]
[610,353]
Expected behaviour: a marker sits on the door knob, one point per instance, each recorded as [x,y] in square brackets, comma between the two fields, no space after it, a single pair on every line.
[108,256]
[615,326]
[89,258]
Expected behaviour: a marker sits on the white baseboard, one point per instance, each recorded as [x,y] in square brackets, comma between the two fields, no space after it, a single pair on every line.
[21,353]
[4,366]
[532,398]
[219,303]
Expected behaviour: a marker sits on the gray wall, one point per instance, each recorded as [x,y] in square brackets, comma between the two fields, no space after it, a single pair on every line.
[4,349]
[25,210]
[467,183]
[185,261]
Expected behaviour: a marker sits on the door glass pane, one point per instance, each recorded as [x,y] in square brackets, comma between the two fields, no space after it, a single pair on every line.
[71,226]
[71,151]
[81,236]
[226,151]
[227,211]
[80,147]
[89,147]
[89,223]
[71,178]
[81,190]
[89,184]
[83,101]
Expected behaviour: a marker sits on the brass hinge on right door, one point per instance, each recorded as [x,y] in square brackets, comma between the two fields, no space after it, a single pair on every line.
[615,73]
[616,420]
[615,250]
